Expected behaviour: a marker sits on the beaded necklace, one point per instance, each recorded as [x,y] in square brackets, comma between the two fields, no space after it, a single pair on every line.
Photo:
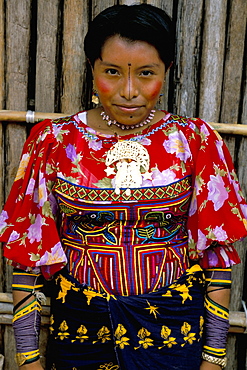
[122,126]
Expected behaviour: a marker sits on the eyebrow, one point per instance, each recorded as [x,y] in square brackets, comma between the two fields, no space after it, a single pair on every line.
[108,64]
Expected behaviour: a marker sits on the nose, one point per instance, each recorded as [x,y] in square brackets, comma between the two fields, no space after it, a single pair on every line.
[129,89]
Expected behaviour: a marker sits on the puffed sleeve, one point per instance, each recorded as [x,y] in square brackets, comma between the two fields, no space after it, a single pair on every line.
[217,215]
[28,225]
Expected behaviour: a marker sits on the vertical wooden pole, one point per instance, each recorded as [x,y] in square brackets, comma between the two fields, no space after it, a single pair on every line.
[244,97]
[2,96]
[46,82]
[129,2]
[17,63]
[232,361]
[1,204]
[188,49]
[17,41]
[98,6]
[242,162]
[232,82]
[231,96]
[212,59]
[46,68]
[167,6]
[242,167]
[75,27]
[2,55]
[231,92]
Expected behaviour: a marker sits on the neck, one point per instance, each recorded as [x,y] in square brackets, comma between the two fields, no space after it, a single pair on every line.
[123,126]
[96,122]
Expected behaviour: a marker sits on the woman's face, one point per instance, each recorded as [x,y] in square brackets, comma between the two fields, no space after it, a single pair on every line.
[128,78]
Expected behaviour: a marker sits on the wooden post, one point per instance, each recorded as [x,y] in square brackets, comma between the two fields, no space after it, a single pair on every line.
[233,69]
[244,97]
[242,163]
[167,6]
[17,64]
[17,57]
[2,96]
[234,61]
[46,65]
[188,49]
[98,6]
[230,113]
[17,41]
[2,54]
[1,203]
[212,59]
[75,27]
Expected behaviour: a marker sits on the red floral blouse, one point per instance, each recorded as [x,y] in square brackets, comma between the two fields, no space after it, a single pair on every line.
[65,207]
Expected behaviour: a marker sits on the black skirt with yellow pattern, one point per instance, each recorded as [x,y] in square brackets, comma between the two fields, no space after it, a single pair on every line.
[158,330]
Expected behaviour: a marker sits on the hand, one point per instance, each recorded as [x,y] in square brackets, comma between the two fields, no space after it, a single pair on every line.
[205,365]
[33,366]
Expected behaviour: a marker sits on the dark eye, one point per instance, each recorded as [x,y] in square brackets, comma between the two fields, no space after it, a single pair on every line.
[147,73]
[93,215]
[112,71]
[168,216]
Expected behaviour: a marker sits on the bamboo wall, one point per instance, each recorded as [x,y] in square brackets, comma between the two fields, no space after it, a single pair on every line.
[42,68]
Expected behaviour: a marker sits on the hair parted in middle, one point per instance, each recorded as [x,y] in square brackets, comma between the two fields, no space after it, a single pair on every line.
[143,22]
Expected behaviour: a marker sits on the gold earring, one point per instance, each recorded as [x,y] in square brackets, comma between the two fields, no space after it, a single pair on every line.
[160,98]
[95,96]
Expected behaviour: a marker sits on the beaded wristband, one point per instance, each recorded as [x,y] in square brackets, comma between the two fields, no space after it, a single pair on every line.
[215,360]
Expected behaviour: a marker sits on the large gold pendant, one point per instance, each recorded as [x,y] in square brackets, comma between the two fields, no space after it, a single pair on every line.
[129,160]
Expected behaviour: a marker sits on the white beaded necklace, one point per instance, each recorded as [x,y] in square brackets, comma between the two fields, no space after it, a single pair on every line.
[122,126]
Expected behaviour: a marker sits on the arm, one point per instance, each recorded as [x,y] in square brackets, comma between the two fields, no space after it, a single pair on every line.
[216,321]
[26,319]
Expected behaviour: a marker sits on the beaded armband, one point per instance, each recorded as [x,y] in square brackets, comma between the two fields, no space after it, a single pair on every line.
[216,318]
[27,282]
[218,277]
[27,319]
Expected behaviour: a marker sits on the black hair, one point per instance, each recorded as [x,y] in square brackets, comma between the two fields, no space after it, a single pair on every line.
[143,22]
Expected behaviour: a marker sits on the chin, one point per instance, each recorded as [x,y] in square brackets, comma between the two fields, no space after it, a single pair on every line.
[131,118]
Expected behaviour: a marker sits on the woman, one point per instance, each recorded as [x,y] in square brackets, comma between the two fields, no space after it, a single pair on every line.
[135,203]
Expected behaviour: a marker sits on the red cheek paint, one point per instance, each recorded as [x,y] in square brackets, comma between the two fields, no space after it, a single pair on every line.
[155,90]
[103,86]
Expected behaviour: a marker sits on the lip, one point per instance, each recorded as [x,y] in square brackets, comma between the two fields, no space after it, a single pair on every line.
[129,108]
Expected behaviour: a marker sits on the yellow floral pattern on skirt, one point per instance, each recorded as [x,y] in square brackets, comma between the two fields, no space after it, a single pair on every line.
[150,328]
[122,340]
[109,366]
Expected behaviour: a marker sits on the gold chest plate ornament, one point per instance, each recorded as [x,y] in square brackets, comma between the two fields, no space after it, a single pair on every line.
[129,161]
